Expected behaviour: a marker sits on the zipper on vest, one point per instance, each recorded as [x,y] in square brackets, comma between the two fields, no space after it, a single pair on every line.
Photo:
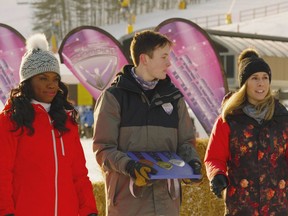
[55,160]
[145,99]
[56,173]
[62,144]
[56,167]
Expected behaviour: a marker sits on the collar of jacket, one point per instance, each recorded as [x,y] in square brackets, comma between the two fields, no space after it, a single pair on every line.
[280,112]
[164,90]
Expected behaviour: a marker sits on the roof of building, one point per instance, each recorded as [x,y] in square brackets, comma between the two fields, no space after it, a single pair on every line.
[236,42]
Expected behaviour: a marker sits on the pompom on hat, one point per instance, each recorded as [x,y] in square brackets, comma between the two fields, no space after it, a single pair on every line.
[249,63]
[37,59]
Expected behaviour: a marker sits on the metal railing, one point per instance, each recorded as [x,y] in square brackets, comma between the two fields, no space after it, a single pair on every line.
[220,19]
[210,21]
[263,11]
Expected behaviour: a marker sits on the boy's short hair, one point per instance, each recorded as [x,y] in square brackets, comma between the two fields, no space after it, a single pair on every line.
[146,42]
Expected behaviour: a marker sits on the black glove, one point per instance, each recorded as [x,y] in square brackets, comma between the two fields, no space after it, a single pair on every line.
[140,172]
[9,215]
[218,184]
[93,214]
[196,166]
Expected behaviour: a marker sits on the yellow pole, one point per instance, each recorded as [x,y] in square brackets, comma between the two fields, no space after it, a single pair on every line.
[130,28]
[182,5]
[54,43]
[228,18]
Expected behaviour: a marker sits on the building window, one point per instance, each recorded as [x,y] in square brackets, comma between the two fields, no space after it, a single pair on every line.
[228,62]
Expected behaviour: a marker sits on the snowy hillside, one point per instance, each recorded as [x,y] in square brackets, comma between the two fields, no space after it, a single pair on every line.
[20,17]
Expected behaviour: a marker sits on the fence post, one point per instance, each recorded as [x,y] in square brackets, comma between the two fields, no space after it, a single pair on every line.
[228,18]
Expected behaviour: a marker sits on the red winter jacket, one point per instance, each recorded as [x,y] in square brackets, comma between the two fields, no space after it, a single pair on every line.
[218,154]
[43,174]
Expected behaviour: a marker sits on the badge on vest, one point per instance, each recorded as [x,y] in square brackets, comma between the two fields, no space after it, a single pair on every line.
[168,108]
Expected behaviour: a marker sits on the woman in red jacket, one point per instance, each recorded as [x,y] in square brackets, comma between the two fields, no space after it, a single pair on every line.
[42,165]
[247,151]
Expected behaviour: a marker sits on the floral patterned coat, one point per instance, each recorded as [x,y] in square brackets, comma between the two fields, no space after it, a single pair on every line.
[254,158]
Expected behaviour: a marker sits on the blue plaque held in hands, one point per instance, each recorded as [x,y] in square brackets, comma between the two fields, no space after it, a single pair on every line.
[169,165]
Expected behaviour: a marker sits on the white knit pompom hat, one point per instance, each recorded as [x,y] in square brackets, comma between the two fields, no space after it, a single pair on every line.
[37,59]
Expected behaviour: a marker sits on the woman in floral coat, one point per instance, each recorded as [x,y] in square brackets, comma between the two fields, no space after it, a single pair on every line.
[247,150]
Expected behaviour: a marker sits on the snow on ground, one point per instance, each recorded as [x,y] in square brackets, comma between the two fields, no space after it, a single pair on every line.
[94,172]
[274,25]
[210,8]
[20,16]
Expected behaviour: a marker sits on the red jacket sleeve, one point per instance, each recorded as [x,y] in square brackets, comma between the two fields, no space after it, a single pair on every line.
[217,152]
[8,153]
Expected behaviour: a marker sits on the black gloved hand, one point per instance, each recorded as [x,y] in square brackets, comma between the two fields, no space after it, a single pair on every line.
[196,166]
[218,184]
[9,215]
[93,214]
[140,172]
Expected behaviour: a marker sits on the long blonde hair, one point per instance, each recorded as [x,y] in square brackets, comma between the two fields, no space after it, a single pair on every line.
[239,98]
